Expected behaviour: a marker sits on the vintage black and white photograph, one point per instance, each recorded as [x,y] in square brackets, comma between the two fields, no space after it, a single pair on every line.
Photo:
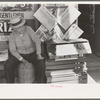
[49,43]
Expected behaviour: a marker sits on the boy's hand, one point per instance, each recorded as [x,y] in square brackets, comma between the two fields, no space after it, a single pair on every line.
[40,57]
[25,62]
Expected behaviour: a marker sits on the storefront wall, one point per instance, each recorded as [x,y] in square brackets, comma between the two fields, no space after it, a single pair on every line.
[88,22]
[7,11]
[97,30]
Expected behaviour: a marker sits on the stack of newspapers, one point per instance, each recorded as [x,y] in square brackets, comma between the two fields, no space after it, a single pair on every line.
[60,31]
[69,50]
[63,74]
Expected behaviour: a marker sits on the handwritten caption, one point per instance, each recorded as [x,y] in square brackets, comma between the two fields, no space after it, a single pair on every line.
[56,86]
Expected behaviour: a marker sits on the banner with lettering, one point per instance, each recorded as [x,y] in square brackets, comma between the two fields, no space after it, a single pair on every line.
[7,11]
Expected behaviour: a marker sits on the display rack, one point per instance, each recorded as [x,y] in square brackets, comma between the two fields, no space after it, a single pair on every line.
[65,48]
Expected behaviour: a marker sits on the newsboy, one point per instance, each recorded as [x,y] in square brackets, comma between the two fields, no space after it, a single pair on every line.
[24,47]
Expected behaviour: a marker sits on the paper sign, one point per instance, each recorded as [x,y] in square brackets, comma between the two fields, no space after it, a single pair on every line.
[83,48]
[72,49]
[3,55]
[5,28]
[9,10]
[45,17]
[74,32]
[58,31]
[65,49]
[68,17]
[40,32]
[25,14]
[4,38]
[43,33]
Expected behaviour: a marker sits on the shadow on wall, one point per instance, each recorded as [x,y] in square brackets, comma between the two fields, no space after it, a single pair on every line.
[87,23]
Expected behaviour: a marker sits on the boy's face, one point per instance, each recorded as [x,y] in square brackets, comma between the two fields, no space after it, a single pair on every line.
[19,29]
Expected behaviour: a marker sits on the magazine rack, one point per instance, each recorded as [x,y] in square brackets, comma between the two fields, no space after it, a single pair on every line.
[59,29]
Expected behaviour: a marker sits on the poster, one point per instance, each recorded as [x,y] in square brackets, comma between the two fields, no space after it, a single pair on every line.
[7,15]
[45,17]
[83,48]
[68,17]
[3,55]
[43,33]
[5,28]
[73,49]
[7,11]
[58,32]
[4,38]
[74,32]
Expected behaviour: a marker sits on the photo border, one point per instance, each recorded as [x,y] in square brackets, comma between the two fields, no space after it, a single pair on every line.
[19,92]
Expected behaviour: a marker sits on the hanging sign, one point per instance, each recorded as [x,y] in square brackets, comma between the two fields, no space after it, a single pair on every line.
[5,27]
[24,14]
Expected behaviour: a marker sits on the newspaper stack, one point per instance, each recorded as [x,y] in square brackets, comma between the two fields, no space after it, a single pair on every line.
[75,74]
[60,31]
[68,50]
